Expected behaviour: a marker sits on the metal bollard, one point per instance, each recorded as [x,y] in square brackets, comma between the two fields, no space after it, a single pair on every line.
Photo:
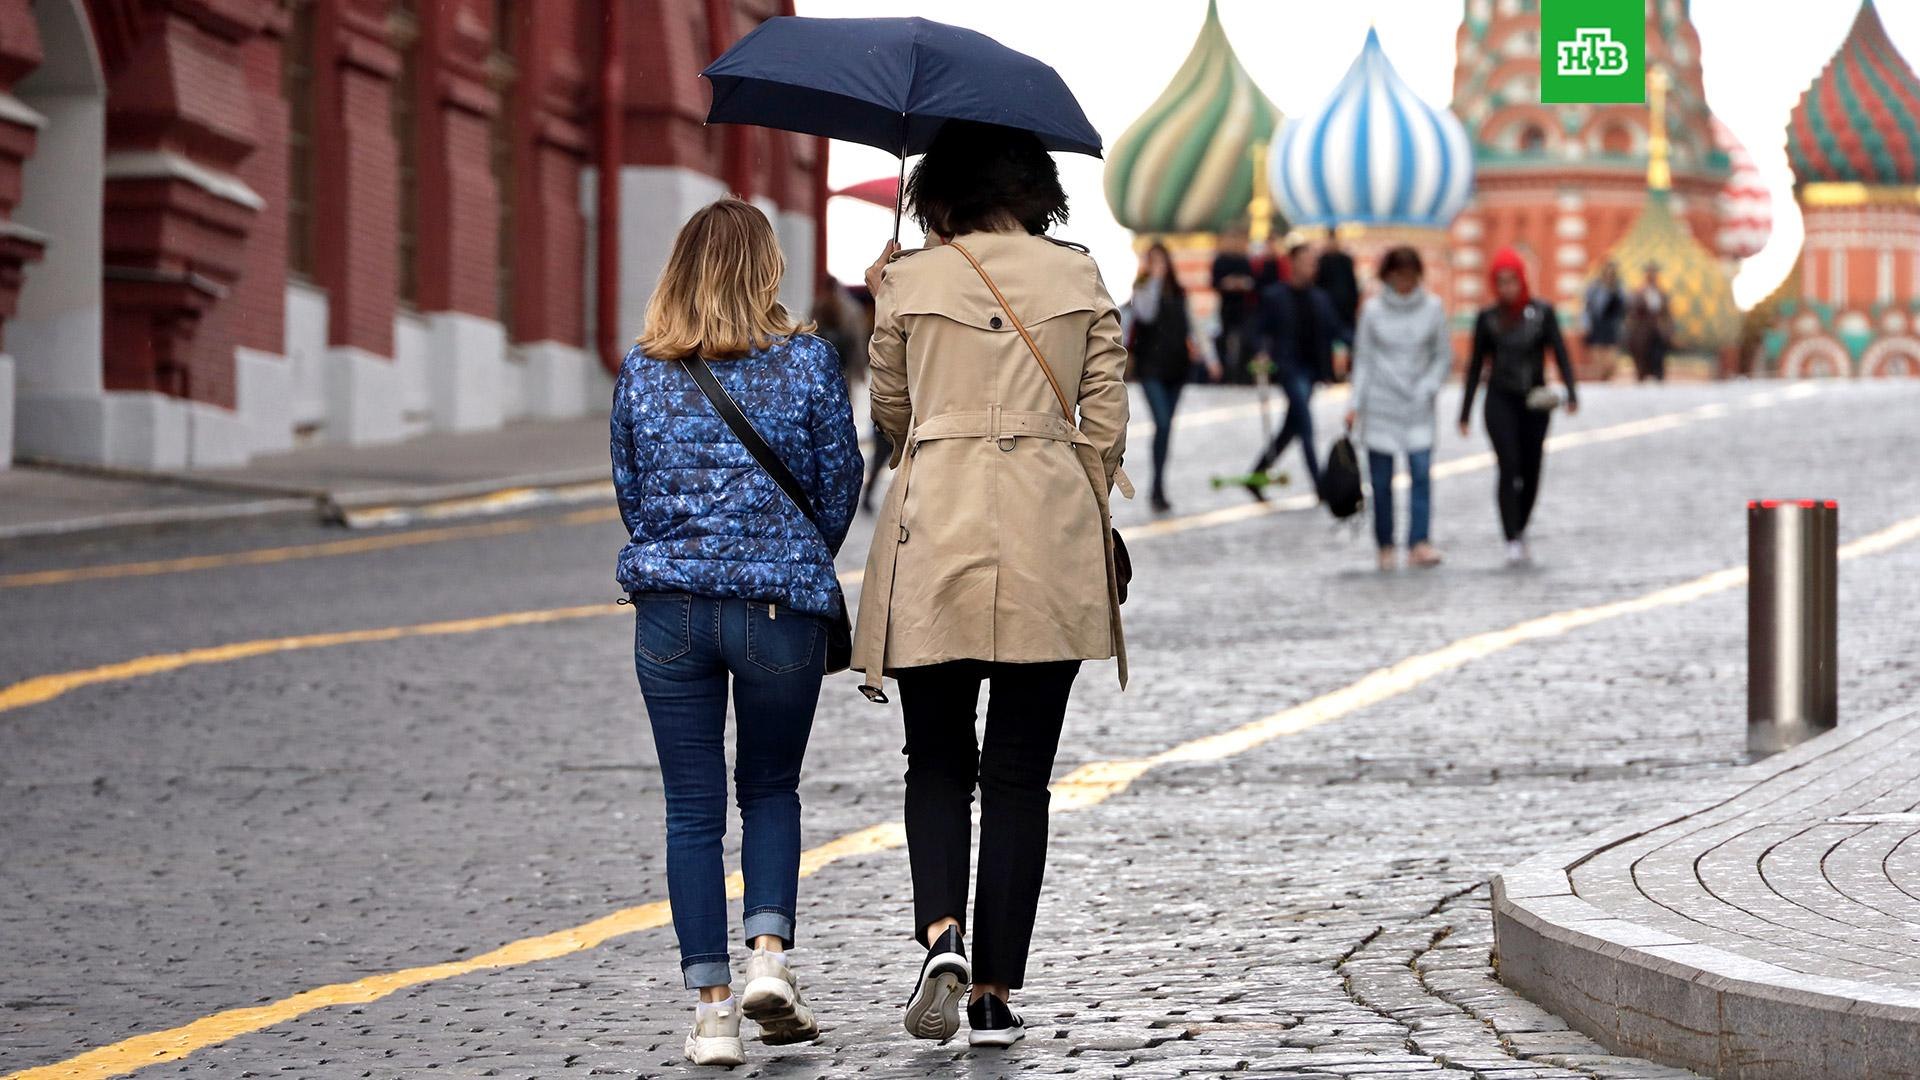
[1792,609]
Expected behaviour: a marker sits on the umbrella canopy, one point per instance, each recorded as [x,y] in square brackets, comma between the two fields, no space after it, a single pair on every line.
[882,192]
[890,83]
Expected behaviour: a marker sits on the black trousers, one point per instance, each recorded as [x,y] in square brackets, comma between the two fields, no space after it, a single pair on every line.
[1026,708]
[1519,437]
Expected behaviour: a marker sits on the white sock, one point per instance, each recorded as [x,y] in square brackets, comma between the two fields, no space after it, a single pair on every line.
[722,1005]
[779,956]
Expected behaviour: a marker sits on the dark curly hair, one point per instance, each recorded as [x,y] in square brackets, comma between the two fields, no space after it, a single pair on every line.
[977,177]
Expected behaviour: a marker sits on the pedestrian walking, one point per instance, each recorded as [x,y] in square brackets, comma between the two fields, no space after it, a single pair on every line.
[1605,311]
[1298,327]
[1402,355]
[1511,340]
[1236,282]
[731,578]
[1333,273]
[1650,327]
[1163,351]
[993,557]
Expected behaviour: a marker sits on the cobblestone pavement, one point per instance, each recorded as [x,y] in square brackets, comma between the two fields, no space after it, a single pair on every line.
[230,834]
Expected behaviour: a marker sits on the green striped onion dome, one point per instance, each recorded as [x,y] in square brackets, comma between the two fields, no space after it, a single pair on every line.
[1186,166]
[1860,120]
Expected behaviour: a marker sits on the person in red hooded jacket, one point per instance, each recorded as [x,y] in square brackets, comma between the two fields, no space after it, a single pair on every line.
[1511,339]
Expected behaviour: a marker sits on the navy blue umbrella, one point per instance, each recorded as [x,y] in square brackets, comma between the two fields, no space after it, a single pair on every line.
[890,83]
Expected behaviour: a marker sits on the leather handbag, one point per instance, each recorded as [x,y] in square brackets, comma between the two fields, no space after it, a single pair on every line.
[839,624]
[1122,561]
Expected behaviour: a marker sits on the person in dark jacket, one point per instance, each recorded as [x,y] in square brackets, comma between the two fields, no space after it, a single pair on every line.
[1605,311]
[1511,340]
[1161,345]
[1236,282]
[1650,327]
[731,581]
[1333,273]
[1298,327]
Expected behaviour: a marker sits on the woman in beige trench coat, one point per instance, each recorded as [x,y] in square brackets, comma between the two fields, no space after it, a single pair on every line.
[992,559]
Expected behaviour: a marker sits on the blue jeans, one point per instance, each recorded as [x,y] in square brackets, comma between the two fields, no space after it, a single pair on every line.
[685,647]
[1298,387]
[1419,464]
[1162,397]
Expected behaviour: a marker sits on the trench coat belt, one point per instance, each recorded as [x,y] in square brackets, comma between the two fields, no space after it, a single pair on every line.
[995,425]
[1001,427]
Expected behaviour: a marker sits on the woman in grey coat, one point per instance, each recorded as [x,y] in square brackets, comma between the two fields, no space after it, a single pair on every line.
[1401,357]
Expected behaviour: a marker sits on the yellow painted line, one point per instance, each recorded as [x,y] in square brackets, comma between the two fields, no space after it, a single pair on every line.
[1088,785]
[47,687]
[290,553]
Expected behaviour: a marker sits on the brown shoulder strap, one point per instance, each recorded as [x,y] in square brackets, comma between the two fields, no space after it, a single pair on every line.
[1059,395]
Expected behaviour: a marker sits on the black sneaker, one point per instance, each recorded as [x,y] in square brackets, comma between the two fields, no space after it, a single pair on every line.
[933,1012]
[994,1022]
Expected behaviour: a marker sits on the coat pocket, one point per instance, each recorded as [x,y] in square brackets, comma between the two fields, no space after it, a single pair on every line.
[662,626]
[780,644]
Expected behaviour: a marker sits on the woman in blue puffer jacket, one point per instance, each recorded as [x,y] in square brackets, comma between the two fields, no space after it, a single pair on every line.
[729,578]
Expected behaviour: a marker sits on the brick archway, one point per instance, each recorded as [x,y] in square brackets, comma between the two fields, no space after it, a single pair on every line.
[1814,358]
[1891,357]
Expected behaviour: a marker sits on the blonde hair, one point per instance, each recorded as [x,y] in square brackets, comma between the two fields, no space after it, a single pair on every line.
[719,295]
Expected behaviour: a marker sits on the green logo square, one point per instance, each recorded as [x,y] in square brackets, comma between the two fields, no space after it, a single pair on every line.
[1593,51]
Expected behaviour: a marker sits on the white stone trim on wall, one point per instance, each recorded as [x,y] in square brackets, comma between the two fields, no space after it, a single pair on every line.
[305,335]
[166,165]
[467,375]
[413,359]
[264,399]
[364,403]
[796,232]
[561,381]
[6,412]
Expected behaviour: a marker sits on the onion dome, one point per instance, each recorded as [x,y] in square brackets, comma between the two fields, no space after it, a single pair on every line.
[1705,318]
[1860,120]
[1187,164]
[1373,153]
[1746,206]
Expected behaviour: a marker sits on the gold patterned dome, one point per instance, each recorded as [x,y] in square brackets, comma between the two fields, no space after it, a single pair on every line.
[1186,166]
[1705,318]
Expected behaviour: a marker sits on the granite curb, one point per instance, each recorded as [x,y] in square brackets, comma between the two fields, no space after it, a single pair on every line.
[1643,991]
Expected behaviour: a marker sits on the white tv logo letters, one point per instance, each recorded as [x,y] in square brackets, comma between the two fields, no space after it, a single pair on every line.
[1593,52]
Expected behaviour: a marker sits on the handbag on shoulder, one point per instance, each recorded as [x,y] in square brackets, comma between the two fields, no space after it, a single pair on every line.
[839,624]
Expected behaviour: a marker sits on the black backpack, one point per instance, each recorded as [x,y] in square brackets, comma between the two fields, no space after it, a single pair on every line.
[1340,486]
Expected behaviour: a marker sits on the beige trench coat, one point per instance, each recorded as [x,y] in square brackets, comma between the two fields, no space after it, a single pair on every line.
[994,542]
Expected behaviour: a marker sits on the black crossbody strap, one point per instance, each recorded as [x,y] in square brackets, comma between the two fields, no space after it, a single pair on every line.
[736,419]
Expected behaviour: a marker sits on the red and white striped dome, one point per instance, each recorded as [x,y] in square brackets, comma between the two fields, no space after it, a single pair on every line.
[1746,204]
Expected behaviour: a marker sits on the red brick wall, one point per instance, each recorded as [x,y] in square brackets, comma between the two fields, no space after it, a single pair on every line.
[259,298]
[356,210]
[176,86]
[459,203]
[19,55]
[548,113]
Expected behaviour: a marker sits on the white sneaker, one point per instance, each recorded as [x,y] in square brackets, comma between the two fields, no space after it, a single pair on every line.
[715,1039]
[1517,554]
[772,1000]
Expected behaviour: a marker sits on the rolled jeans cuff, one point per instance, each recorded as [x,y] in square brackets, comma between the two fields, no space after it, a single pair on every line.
[772,921]
[706,971]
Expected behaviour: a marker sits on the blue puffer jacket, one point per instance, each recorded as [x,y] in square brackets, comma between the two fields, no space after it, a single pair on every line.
[703,517]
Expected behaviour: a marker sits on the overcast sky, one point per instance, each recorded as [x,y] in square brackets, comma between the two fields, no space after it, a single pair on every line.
[1117,56]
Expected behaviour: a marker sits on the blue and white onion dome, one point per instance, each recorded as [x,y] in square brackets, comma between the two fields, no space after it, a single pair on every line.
[1373,153]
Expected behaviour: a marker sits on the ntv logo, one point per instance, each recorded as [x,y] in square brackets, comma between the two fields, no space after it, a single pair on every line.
[1593,52]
